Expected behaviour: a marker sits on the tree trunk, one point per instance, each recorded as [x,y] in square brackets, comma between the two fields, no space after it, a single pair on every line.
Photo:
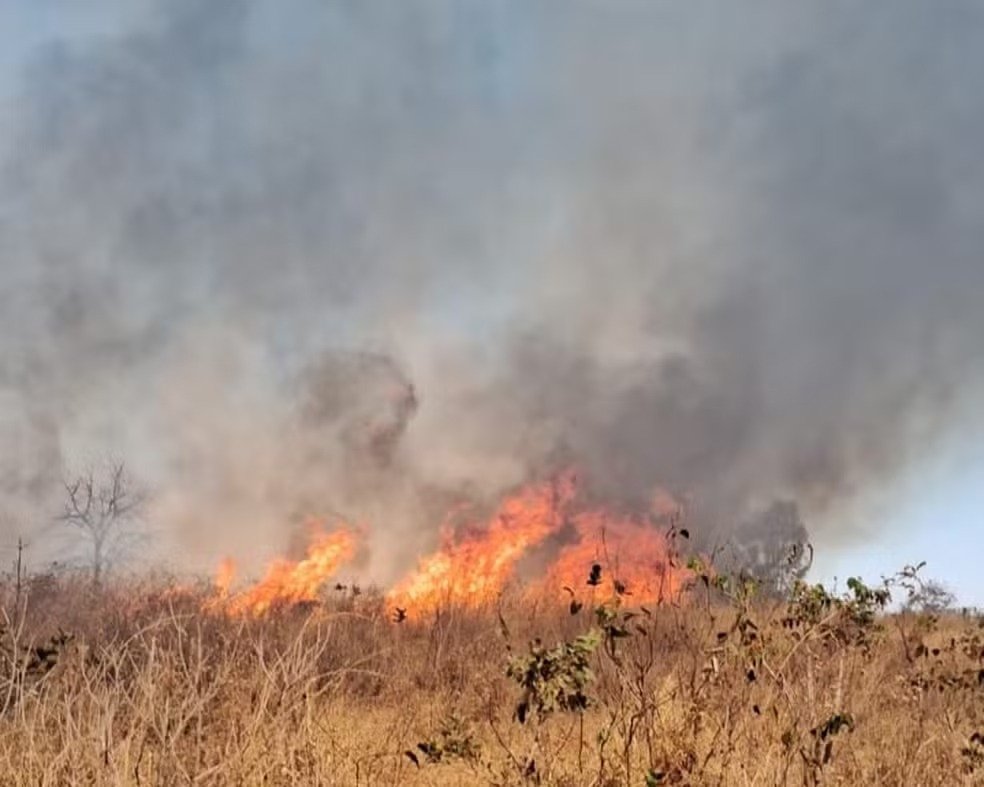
[97,561]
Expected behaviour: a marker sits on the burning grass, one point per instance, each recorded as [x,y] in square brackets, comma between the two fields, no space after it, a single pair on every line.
[136,684]
[477,559]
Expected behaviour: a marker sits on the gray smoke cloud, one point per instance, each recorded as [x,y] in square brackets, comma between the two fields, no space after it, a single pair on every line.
[366,258]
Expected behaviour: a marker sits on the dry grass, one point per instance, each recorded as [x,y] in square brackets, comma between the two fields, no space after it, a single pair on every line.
[152,690]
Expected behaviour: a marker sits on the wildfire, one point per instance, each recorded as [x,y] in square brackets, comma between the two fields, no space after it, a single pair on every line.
[471,569]
[634,557]
[602,554]
[225,575]
[288,582]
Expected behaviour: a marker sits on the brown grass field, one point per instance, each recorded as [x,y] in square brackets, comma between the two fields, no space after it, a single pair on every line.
[136,684]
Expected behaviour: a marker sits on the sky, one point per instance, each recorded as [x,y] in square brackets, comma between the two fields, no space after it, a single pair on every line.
[936,518]
[735,249]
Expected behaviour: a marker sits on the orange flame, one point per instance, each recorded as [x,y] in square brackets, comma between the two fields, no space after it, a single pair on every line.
[470,570]
[286,581]
[475,563]
[225,575]
[635,558]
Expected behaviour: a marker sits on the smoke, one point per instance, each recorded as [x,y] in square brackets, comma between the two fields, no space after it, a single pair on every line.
[368,258]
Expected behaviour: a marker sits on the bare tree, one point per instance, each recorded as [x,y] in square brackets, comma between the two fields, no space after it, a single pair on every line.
[928,596]
[104,510]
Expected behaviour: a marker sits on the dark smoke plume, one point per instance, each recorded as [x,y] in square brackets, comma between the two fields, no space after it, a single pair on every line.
[366,257]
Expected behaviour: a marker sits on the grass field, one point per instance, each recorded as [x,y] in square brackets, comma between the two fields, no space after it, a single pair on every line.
[138,683]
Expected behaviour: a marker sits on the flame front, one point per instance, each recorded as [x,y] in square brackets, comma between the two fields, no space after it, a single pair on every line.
[470,570]
[635,558]
[475,563]
[289,582]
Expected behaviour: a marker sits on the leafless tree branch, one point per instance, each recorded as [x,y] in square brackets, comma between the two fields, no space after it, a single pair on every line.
[102,509]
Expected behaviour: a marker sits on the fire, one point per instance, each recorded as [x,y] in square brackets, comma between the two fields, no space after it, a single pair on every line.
[475,563]
[470,569]
[288,582]
[225,575]
[635,558]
